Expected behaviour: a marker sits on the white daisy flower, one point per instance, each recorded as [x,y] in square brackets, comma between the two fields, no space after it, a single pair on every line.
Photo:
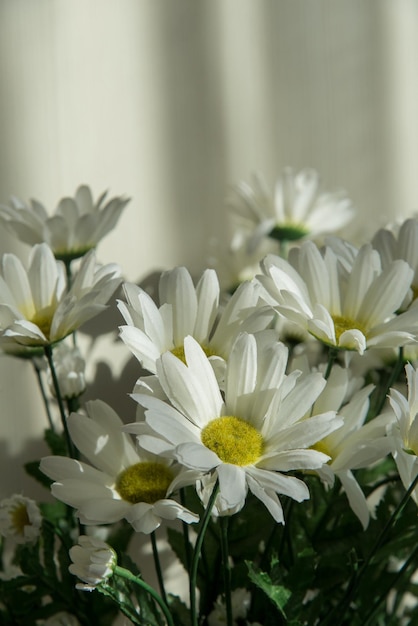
[93,561]
[296,209]
[405,429]
[355,445]
[76,226]
[122,484]
[402,244]
[37,310]
[189,310]
[70,371]
[250,439]
[20,519]
[351,310]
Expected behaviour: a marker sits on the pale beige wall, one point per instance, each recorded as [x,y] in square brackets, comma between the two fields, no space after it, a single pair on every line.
[171,101]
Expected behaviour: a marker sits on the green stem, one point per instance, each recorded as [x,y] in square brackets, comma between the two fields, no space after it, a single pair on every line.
[357,576]
[286,538]
[284,248]
[196,554]
[124,573]
[226,569]
[48,354]
[332,355]
[69,274]
[186,538]
[73,405]
[392,379]
[158,567]
[44,396]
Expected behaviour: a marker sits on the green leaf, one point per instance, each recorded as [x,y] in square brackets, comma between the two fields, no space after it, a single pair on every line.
[48,549]
[125,607]
[54,512]
[150,614]
[179,611]
[278,594]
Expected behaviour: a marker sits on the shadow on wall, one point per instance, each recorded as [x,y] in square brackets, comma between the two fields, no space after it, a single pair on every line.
[114,379]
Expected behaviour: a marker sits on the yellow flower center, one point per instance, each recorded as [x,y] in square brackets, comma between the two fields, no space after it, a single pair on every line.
[341,324]
[179,352]
[322,446]
[147,481]
[43,319]
[19,518]
[234,440]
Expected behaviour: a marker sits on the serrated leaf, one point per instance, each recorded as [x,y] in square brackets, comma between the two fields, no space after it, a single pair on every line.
[278,594]
[179,611]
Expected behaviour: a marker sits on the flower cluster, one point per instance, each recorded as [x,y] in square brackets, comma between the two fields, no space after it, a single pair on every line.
[275,439]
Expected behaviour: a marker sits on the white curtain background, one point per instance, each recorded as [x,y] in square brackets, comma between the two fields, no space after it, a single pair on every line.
[171,102]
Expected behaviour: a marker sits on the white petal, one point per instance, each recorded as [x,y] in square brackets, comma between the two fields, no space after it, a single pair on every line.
[176,288]
[59,468]
[232,485]
[197,456]
[241,373]
[356,497]
[104,510]
[185,389]
[207,291]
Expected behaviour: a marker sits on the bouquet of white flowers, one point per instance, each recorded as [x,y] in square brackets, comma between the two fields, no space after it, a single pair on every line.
[275,444]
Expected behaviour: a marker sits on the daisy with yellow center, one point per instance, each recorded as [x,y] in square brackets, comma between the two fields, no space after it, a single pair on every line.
[356,444]
[347,301]
[251,436]
[185,310]
[120,483]
[37,309]
[20,519]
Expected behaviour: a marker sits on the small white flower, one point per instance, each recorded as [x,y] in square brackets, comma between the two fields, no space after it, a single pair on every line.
[352,308]
[93,561]
[296,209]
[355,445]
[405,429]
[37,310]
[250,439]
[77,225]
[400,243]
[70,370]
[188,310]
[20,519]
[121,483]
